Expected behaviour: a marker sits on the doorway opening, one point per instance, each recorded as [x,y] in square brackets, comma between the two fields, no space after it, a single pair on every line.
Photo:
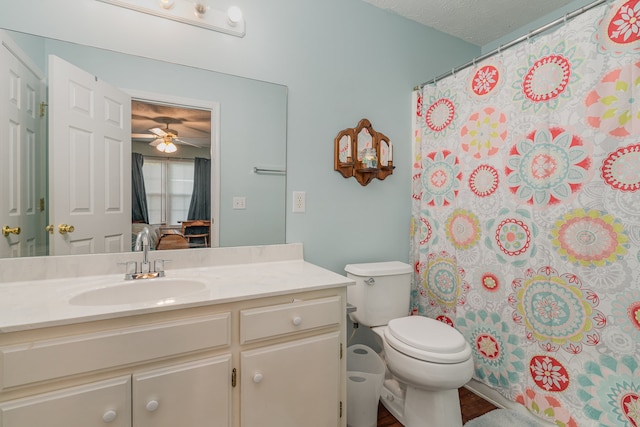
[190,129]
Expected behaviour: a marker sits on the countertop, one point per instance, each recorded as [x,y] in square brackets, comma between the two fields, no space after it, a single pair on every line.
[35,304]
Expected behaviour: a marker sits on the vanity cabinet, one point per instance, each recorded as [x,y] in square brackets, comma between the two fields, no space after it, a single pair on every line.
[190,395]
[292,384]
[297,382]
[273,361]
[93,404]
[187,395]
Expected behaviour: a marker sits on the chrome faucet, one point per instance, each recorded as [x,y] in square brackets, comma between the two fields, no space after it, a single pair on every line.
[142,244]
[144,272]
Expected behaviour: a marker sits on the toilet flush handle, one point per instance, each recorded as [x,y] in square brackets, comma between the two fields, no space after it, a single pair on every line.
[370,281]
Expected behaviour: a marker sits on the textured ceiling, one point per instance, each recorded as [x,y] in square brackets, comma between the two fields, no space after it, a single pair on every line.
[476,21]
[192,126]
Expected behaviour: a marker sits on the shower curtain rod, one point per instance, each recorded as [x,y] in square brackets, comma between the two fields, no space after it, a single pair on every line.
[542,29]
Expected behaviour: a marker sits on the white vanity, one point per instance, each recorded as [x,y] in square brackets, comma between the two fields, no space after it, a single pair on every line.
[256,340]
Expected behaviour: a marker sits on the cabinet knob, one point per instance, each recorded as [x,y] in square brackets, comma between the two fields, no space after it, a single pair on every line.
[152,405]
[257,377]
[297,320]
[109,416]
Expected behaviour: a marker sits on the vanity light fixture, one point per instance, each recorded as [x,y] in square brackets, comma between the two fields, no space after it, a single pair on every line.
[191,12]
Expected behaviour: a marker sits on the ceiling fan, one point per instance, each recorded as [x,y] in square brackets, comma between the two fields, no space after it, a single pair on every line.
[160,125]
[164,139]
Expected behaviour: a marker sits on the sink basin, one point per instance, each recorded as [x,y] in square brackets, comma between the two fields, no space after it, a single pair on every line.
[158,291]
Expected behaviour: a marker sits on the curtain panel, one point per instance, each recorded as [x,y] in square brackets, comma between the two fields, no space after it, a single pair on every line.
[200,205]
[139,210]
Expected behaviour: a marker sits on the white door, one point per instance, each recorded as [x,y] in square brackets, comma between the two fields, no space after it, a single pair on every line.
[89,162]
[22,148]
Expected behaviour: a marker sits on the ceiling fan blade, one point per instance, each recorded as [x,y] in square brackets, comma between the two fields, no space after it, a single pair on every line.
[182,141]
[157,131]
[155,142]
[144,136]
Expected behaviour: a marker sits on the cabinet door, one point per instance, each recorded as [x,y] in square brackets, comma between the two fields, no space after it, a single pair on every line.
[194,394]
[292,384]
[100,404]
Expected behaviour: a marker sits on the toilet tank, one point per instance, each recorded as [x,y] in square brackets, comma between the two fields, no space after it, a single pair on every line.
[382,291]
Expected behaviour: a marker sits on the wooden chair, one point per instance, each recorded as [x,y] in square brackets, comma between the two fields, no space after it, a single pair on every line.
[197,232]
[172,241]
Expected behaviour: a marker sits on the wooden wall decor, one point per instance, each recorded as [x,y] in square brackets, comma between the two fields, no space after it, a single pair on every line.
[363,153]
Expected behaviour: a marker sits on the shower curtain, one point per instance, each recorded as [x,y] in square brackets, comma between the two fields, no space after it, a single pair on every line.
[526,216]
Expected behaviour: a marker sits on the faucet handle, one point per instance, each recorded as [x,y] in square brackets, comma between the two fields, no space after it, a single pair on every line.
[158,266]
[130,267]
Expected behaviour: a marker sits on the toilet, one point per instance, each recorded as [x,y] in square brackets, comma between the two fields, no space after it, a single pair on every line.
[426,360]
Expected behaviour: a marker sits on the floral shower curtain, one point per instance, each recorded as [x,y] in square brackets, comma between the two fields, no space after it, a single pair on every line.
[526,217]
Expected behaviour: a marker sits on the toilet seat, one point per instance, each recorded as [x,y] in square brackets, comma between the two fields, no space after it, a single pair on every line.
[427,339]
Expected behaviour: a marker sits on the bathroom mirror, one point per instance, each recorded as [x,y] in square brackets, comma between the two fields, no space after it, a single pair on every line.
[248,138]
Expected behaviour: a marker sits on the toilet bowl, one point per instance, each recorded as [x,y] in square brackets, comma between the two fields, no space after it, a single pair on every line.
[421,388]
[426,360]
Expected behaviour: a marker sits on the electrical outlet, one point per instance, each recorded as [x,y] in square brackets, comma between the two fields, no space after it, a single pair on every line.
[299,202]
[239,202]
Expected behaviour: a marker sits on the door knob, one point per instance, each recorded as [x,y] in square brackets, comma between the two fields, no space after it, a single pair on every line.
[64,228]
[6,230]
[49,228]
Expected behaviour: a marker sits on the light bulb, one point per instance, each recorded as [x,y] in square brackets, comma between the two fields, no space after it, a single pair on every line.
[167,4]
[171,148]
[234,15]
[201,7]
[161,147]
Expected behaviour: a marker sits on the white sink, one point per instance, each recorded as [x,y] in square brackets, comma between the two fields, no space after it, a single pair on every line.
[159,291]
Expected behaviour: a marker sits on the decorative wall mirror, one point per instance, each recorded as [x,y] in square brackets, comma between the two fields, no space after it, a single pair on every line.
[363,153]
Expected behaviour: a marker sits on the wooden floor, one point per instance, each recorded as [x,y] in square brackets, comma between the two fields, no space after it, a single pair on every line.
[471,405]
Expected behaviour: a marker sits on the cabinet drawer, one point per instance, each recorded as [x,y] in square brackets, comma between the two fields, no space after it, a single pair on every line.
[59,357]
[100,403]
[267,322]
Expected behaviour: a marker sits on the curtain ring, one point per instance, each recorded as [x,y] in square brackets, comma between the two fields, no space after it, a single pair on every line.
[565,18]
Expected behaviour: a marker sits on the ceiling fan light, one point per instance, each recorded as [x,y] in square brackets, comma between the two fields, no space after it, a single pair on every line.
[171,148]
[161,147]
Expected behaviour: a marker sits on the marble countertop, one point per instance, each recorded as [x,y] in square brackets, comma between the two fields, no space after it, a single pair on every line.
[43,303]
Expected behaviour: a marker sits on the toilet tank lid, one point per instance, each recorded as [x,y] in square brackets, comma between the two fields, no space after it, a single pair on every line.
[379,268]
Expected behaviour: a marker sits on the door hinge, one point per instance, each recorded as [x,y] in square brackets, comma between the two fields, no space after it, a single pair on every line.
[340,351]
[341,409]
[43,105]
[234,374]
